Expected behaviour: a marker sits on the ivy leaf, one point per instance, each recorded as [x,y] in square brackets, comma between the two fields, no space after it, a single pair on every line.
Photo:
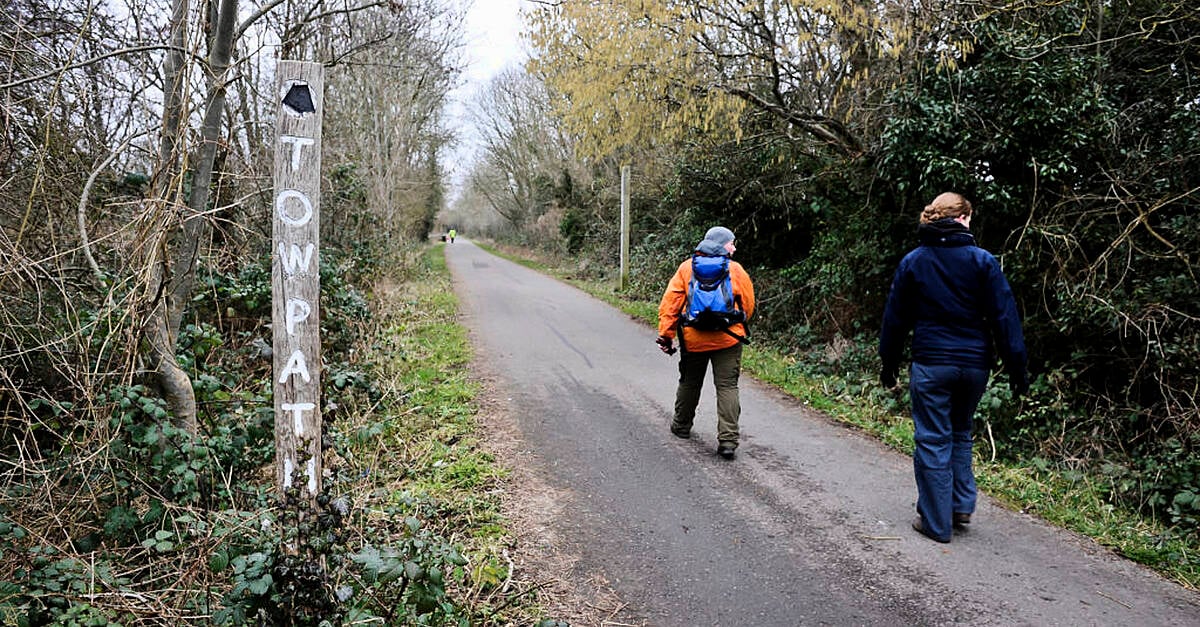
[261,585]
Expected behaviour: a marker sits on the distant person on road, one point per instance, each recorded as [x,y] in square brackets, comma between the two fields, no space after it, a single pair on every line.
[701,343]
[452,233]
[954,298]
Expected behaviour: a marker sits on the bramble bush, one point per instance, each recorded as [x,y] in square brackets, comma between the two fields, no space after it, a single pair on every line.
[136,495]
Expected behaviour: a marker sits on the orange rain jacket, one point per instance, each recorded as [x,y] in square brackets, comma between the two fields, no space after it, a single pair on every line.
[674,299]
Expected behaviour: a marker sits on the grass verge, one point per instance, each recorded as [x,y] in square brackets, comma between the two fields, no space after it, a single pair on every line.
[413,455]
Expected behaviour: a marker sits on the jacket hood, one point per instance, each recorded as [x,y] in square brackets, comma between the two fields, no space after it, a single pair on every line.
[945,232]
[711,248]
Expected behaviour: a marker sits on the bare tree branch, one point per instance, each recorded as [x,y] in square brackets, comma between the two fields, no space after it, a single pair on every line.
[83,64]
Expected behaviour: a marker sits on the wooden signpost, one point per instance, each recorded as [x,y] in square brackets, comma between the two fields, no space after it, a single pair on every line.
[624,227]
[295,279]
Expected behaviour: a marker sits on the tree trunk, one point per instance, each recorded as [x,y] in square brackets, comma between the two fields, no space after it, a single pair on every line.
[160,343]
[196,228]
[172,290]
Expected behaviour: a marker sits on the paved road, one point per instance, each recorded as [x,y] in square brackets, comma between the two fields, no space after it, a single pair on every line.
[808,526]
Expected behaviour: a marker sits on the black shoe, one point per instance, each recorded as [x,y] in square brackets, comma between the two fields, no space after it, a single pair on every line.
[918,525]
[961,520]
[725,451]
[680,432]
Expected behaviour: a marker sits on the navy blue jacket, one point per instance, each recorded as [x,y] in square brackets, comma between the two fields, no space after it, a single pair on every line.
[954,298]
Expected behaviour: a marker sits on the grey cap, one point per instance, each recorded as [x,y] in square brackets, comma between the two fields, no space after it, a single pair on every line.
[715,240]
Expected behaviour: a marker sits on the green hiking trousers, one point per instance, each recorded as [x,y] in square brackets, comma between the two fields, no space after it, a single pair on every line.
[726,368]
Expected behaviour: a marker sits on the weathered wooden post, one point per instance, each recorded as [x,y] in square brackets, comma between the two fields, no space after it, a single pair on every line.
[295,276]
[624,226]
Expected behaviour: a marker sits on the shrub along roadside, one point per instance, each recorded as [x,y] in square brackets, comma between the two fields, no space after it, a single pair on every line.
[850,394]
[117,518]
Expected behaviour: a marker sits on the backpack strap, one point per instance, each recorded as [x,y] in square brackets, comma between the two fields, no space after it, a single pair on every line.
[743,340]
[737,303]
[682,347]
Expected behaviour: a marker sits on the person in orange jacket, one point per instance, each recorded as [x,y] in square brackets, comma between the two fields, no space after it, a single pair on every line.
[722,348]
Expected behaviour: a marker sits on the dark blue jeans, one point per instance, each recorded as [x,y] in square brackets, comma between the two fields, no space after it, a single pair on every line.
[944,399]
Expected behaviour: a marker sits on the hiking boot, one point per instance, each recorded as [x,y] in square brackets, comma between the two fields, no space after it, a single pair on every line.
[681,432]
[725,450]
[961,520]
[918,525]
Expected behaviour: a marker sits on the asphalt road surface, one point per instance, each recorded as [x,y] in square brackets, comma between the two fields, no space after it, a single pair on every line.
[808,526]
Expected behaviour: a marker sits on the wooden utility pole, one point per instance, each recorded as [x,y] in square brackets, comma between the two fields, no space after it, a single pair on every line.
[295,276]
[624,226]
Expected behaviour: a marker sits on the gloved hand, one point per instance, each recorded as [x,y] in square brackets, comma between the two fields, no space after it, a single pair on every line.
[665,345]
[887,377]
[1020,385]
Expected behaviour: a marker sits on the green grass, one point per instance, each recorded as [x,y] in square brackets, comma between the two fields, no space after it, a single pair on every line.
[855,399]
[419,444]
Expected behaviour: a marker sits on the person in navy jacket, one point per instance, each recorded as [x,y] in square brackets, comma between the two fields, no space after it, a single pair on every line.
[954,298]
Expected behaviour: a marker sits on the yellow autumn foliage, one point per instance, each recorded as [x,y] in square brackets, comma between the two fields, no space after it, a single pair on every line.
[640,73]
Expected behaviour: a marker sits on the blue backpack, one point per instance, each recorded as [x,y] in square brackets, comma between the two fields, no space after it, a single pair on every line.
[711,304]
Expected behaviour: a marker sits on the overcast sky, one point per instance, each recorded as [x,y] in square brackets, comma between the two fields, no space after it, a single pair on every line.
[493,43]
[493,37]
